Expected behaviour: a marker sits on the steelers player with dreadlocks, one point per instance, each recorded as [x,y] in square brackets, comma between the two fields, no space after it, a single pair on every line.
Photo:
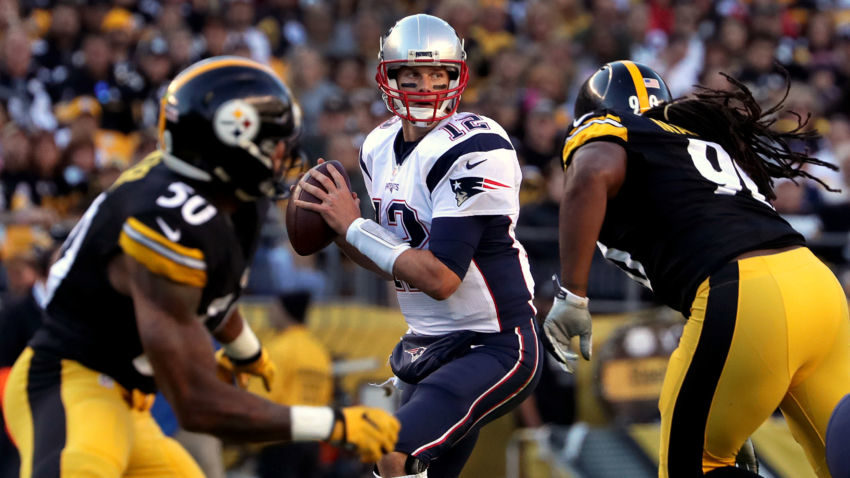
[676,193]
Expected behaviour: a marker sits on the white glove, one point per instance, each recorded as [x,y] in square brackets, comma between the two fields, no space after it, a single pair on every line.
[567,318]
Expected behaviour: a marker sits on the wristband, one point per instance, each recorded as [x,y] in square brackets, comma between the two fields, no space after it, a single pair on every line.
[565,295]
[245,346]
[378,244]
[311,423]
[573,299]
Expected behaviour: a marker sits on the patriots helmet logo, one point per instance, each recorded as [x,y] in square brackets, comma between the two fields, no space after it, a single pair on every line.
[416,352]
[465,188]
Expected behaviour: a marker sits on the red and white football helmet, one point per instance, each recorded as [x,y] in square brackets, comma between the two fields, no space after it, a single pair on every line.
[422,40]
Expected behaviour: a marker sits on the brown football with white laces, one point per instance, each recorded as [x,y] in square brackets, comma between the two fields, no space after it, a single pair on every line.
[308,232]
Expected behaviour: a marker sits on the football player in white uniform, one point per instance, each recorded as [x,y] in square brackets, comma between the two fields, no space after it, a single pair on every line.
[445,188]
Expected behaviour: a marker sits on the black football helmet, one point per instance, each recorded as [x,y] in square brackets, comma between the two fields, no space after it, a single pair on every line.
[221,120]
[622,86]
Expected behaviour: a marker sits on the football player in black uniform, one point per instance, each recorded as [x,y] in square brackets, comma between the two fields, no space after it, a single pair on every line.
[154,266]
[678,196]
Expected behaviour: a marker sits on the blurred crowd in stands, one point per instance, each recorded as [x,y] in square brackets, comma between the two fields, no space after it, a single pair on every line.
[81,82]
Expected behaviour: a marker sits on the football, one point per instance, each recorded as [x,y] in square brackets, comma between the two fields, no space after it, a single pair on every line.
[308,231]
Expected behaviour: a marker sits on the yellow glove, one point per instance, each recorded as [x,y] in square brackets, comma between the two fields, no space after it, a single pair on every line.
[371,432]
[237,374]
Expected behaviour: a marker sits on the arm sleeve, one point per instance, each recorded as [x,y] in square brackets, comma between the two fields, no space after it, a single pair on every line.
[455,239]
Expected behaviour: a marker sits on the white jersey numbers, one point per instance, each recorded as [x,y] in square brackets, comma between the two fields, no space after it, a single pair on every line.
[730,178]
[195,209]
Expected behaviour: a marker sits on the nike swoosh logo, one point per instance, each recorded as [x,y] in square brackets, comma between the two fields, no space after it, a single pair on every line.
[579,121]
[471,165]
[173,235]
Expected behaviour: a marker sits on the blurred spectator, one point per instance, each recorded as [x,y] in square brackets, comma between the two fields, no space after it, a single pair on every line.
[16,178]
[544,82]
[661,15]
[310,85]
[794,203]
[492,33]
[280,20]
[679,63]
[574,19]
[537,221]
[155,66]
[644,45]
[181,49]
[368,29]
[79,119]
[9,14]
[320,31]
[368,110]
[349,75]
[303,377]
[507,72]
[27,260]
[276,267]
[240,17]
[79,162]
[214,37]
[119,26]
[334,118]
[92,13]
[734,37]
[541,24]
[820,48]
[541,141]
[95,75]
[759,70]
[54,53]
[23,95]
[504,110]
[171,17]
[26,254]
[51,190]
[835,214]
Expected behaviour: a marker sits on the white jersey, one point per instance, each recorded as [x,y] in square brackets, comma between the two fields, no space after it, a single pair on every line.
[465,166]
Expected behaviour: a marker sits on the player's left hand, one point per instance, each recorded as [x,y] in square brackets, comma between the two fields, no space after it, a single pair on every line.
[339,206]
[568,317]
[232,373]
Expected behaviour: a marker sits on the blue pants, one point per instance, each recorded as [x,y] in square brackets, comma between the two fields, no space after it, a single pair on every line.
[448,407]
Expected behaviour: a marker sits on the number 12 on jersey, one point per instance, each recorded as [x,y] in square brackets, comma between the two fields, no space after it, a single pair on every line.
[400,217]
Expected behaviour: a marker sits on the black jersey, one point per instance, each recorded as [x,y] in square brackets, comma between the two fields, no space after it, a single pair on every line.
[684,209]
[165,222]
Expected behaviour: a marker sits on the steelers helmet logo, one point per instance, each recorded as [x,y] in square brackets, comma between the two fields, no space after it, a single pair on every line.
[235,122]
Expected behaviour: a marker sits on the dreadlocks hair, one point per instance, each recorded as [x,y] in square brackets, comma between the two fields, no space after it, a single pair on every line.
[734,120]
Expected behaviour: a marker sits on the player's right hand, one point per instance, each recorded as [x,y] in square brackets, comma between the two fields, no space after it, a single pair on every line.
[568,317]
[370,432]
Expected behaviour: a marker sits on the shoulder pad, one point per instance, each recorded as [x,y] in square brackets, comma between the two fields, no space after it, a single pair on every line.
[173,234]
[591,127]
